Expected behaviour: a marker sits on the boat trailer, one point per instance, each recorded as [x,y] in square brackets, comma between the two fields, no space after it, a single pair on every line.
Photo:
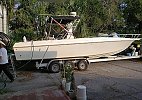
[55,65]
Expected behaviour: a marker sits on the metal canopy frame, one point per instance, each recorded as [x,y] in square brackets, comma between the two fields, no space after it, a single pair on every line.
[62,19]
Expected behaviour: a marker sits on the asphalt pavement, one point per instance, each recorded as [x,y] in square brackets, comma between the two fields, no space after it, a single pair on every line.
[113,80]
[34,85]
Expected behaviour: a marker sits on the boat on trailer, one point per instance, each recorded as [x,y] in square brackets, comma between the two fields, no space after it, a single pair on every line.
[71,48]
[67,49]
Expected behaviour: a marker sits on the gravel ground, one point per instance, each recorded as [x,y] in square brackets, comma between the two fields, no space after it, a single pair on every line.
[114,80]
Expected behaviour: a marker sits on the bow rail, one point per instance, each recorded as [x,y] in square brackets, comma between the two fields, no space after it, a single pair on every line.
[129,35]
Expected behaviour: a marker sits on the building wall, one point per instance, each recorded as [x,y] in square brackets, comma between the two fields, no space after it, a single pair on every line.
[3,19]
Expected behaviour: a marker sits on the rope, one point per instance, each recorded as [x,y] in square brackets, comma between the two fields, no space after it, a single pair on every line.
[59,24]
[43,56]
[32,50]
[48,73]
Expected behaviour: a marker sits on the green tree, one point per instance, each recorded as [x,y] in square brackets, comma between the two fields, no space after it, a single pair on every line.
[133,16]
[98,16]
[26,20]
[9,4]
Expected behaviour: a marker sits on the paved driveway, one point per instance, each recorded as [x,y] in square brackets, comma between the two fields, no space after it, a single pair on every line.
[114,80]
[31,85]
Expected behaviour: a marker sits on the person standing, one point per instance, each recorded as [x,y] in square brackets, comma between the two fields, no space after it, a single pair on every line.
[4,62]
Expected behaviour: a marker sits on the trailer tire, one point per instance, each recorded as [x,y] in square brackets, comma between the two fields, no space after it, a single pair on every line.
[82,65]
[54,67]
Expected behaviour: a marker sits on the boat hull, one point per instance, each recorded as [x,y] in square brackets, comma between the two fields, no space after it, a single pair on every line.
[71,48]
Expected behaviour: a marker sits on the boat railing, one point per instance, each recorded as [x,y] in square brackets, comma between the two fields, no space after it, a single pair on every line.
[129,35]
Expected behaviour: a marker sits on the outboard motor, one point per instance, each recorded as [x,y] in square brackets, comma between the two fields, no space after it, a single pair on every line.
[5,38]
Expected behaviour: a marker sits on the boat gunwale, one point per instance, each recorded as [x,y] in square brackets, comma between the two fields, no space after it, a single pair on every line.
[70,43]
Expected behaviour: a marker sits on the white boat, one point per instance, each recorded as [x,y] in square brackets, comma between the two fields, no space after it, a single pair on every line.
[71,48]
[68,46]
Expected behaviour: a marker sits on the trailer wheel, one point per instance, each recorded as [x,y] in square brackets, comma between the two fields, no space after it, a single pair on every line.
[82,65]
[54,67]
